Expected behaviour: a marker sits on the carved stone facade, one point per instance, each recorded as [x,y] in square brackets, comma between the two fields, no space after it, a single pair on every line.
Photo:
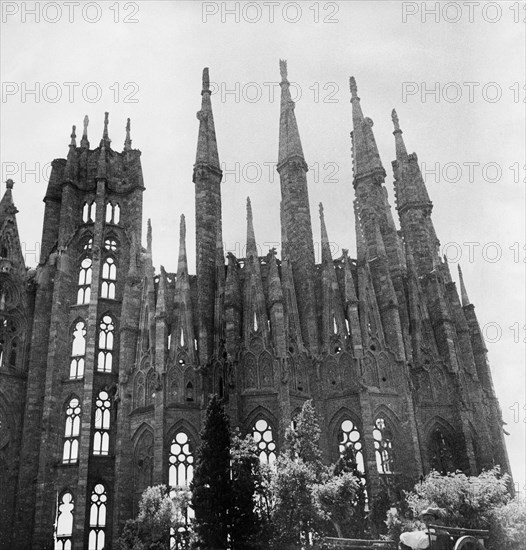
[106,366]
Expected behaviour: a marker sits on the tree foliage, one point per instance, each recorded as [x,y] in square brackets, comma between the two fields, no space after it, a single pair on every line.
[212,497]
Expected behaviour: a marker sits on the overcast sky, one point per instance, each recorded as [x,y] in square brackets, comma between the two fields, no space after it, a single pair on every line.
[144,60]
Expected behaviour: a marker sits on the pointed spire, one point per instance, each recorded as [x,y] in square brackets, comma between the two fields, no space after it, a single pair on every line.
[7,206]
[182,264]
[366,156]
[463,291]
[289,136]
[401,151]
[84,143]
[207,153]
[252,250]
[379,245]
[149,237]
[160,307]
[105,137]
[127,141]
[326,256]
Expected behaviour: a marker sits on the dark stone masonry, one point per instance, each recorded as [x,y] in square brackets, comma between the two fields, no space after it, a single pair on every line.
[106,366]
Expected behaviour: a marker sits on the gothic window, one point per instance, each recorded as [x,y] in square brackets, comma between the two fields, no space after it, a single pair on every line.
[88,212]
[113,213]
[350,435]
[333,375]
[370,370]
[251,377]
[84,281]
[70,453]
[383,445]
[97,517]
[441,455]
[181,461]
[264,439]
[139,390]
[109,276]
[151,383]
[101,438]
[110,244]
[266,374]
[189,391]
[64,522]
[143,471]
[88,245]
[106,336]
[78,351]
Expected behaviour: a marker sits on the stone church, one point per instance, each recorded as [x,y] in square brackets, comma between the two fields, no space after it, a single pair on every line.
[106,365]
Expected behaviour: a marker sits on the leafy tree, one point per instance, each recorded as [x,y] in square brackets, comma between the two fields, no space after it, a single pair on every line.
[247,481]
[303,441]
[158,513]
[212,497]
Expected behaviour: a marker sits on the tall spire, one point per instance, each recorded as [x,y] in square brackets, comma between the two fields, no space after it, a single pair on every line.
[105,137]
[361,250]
[401,151]
[206,142]
[366,157]
[326,256]
[289,136]
[182,263]
[127,141]
[463,291]
[251,238]
[84,143]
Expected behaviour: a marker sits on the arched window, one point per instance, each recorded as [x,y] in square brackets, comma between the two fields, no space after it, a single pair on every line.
[383,445]
[139,390]
[151,387]
[84,282]
[143,464]
[113,213]
[70,453]
[88,244]
[78,351]
[106,334]
[350,435]
[101,438]
[441,454]
[189,391]
[88,212]
[109,276]
[181,461]
[97,517]
[64,522]
[264,439]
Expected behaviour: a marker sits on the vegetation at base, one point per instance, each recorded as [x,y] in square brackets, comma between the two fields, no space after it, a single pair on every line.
[241,504]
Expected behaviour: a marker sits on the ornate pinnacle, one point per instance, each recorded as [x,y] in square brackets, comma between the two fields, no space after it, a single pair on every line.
[206,81]
[283,70]
[105,136]
[73,136]
[396,122]
[84,141]
[9,184]
[353,87]
[127,141]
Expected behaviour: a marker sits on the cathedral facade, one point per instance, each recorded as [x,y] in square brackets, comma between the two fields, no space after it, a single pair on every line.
[106,366]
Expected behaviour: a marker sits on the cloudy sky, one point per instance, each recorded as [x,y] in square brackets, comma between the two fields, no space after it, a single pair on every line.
[456,77]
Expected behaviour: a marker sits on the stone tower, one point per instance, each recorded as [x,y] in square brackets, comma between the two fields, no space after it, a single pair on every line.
[107,364]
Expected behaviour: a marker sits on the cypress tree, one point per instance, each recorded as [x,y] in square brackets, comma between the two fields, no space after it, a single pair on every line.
[211,485]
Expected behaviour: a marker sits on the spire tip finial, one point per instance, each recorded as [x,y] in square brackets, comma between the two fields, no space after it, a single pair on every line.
[206,80]
[73,136]
[353,87]
[283,69]
[396,122]
[128,141]
[9,184]
[321,209]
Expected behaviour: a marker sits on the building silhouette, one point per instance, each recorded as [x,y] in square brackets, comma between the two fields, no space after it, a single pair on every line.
[106,367]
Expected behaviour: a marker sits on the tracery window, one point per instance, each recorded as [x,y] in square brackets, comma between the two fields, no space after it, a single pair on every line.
[78,351]
[350,435]
[113,213]
[84,281]
[264,439]
[441,455]
[106,340]
[88,244]
[88,212]
[97,517]
[109,276]
[110,244]
[64,522]
[101,438]
[139,390]
[189,391]
[70,453]
[383,445]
